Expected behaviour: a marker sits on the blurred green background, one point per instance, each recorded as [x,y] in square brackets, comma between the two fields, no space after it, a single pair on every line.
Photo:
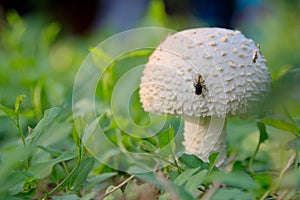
[43,43]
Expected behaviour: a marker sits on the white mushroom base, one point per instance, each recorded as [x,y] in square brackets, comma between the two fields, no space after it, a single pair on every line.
[204,136]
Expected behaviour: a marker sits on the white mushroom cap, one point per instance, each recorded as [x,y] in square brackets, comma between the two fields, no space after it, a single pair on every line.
[234,71]
[235,77]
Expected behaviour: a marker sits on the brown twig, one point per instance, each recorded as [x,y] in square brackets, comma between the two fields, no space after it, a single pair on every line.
[210,193]
[283,171]
[117,187]
[284,194]
[288,165]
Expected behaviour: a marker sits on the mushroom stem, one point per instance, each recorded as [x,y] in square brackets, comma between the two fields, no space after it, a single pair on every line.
[204,136]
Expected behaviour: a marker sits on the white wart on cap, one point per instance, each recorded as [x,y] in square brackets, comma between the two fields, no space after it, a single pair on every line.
[235,74]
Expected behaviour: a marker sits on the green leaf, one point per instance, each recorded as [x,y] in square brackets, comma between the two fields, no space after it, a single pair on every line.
[75,132]
[9,112]
[17,188]
[191,178]
[192,161]
[147,146]
[195,181]
[42,170]
[49,116]
[53,152]
[66,197]
[263,135]
[90,196]
[294,144]
[237,179]
[136,53]
[265,181]
[15,182]
[89,129]
[49,33]
[179,192]
[59,173]
[81,173]
[102,177]
[167,186]
[213,158]
[117,194]
[185,176]
[64,157]
[166,137]
[18,102]
[231,194]
[29,185]
[281,122]
[98,53]
[166,143]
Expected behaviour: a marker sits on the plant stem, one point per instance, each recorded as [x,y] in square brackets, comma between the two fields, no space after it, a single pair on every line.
[210,193]
[284,194]
[250,165]
[17,124]
[283,171]
[65,167]
[117,187]
[80,158]
[287,166]
[63,182]
[297,154]
[265,195]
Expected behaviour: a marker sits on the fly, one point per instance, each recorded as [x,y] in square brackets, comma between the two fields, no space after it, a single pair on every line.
[254,56]
[199,85]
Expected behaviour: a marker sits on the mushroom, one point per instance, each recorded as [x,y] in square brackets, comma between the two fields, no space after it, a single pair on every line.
[205,75]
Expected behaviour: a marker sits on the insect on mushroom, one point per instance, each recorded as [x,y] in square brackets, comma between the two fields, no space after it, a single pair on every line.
[254,56]
[204,128]
[199,85]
